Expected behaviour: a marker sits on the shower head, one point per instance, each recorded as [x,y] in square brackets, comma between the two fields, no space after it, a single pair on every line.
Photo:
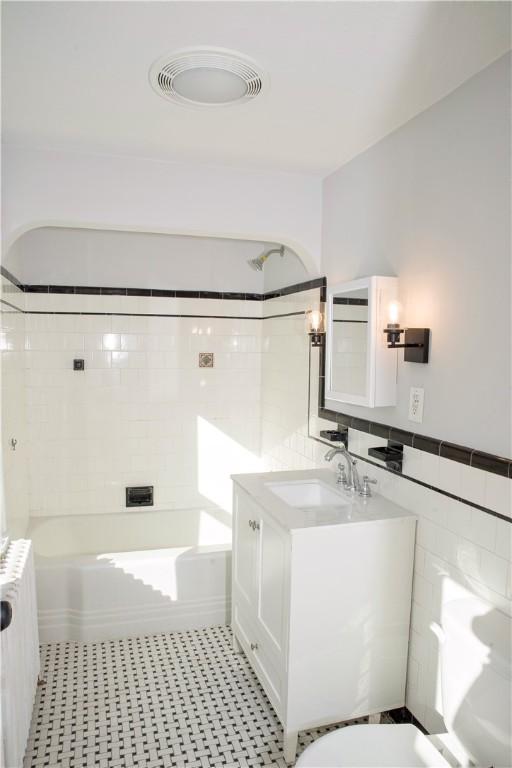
[258,262]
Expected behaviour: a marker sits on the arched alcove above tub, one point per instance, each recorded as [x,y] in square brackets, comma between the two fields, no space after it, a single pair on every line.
[86,257]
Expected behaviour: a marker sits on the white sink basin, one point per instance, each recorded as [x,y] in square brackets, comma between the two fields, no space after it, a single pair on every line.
[307,493]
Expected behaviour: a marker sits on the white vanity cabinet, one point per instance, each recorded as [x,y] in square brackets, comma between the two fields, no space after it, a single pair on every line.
[321,601]
[261,583]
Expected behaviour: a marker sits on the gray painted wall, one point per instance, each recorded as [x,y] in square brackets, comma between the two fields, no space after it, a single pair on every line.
[431,204]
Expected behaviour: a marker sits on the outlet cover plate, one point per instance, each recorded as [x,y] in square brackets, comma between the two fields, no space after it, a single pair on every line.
[416,398]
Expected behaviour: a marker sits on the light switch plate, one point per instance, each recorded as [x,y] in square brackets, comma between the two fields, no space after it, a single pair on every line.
[416,396]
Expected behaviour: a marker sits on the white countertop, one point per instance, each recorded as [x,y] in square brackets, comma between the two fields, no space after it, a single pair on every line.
[353,509]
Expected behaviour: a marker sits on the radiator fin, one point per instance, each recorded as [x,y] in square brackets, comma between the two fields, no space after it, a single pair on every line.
[19,651]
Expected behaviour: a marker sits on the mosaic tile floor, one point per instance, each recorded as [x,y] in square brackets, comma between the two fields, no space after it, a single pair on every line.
[182,699]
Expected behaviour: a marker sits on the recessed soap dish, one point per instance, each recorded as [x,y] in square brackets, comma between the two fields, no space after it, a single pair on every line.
[391,454]
[335,435]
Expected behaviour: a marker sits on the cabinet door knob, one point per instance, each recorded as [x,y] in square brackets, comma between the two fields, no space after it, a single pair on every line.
[256,526]
[254,646]
[251,524]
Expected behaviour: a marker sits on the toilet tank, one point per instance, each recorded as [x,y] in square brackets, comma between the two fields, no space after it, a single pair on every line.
[476,679]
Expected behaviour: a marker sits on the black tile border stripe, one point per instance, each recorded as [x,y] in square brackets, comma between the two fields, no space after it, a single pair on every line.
[11,278]
[351,302]
[307,285]
[285,314]
[318,282]
[143,314]
[12,306]
[153,314]
[436,489]
[383,430]
[84,290]
[490,463]
[361,322]
[487,462]
[493,464]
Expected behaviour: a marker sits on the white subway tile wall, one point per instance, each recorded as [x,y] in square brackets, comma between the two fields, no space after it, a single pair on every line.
[12,367]
[142,412]
[284,382]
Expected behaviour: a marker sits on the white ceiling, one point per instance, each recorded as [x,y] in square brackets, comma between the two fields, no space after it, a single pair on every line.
[342,75]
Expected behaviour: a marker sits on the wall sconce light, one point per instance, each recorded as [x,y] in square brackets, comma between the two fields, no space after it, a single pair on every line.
[416,340]
[315,326]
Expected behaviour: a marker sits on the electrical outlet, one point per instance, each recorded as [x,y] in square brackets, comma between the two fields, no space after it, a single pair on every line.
[416,396]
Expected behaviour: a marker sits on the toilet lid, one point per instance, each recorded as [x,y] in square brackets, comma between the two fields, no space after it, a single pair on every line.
[373,746]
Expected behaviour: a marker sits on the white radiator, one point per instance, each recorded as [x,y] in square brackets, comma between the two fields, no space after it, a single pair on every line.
[19,647]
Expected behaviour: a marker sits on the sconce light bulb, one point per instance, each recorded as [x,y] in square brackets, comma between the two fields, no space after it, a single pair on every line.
[315,321]
[394,313]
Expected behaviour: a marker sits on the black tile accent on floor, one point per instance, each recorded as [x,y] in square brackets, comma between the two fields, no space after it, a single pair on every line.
[179,700]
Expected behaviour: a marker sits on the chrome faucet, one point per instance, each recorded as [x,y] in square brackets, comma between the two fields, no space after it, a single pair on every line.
[352,481]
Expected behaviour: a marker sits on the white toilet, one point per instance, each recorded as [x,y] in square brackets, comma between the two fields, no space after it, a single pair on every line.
[476,693]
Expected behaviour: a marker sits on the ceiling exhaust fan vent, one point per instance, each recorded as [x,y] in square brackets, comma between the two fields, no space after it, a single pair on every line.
[207,77]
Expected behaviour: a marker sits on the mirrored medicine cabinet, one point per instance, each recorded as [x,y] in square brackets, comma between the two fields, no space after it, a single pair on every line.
[360,368]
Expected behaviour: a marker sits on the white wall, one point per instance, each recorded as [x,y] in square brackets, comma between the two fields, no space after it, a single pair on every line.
[431,204]
[97,257]
[111,192]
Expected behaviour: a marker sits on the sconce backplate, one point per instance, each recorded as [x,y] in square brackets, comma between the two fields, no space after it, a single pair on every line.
[416,336]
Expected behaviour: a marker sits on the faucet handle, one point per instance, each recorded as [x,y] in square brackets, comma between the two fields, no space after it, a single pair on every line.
[366,490]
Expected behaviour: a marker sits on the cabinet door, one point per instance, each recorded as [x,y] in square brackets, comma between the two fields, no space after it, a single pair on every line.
[272,583]
[245,548]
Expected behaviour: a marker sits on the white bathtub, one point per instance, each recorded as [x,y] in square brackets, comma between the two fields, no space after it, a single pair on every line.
[101,577]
